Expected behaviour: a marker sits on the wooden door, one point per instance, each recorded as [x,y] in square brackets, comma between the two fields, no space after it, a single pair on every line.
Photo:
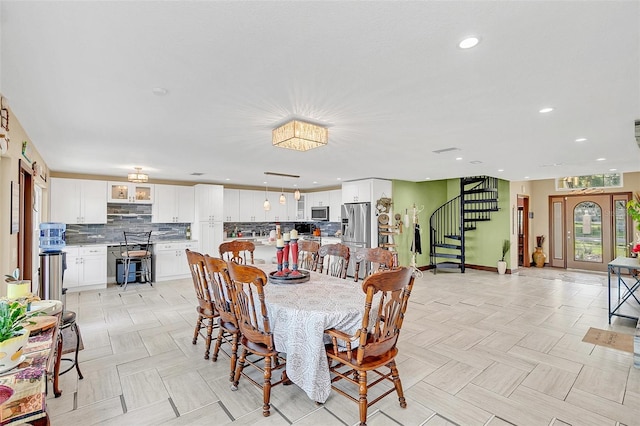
[589,232]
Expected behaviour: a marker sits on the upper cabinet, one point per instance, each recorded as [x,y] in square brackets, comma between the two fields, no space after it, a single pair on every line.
[209,203]
[231,205]
[251,206]
[77,201]
[173,204]
[129,192]
[335,205]
[358,191]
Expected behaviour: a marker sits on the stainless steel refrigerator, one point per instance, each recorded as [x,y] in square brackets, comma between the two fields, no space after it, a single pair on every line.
[356,230]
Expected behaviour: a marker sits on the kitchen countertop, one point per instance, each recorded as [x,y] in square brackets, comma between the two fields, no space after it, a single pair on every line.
[117,243]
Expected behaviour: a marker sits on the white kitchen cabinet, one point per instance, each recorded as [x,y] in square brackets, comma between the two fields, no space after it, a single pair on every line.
[209,202]
[130,192]
[335,205]
[209,236]
[317,199]
[231,205]
[173,204]
[86,266]
[76,201]
[171,260]
[358,191]
[251,205]
[279,212]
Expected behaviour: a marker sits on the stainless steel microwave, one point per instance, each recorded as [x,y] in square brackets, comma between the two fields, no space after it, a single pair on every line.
[320,213]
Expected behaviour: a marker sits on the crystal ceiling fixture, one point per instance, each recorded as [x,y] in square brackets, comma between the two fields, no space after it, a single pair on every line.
[138,176]
[299,135]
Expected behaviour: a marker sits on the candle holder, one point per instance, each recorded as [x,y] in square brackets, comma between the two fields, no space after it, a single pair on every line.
[294,257]
[279,255]
[285,256]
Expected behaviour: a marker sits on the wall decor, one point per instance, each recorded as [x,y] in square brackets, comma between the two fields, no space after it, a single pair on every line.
[26,151]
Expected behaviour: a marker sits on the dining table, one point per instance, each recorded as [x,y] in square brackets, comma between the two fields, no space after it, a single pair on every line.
[300,312]
[25,386]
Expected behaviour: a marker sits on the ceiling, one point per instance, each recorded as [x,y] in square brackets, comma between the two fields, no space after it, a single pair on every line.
[387,78]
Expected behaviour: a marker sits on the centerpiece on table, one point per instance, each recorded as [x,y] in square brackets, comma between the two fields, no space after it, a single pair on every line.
[13,334]
[286,245]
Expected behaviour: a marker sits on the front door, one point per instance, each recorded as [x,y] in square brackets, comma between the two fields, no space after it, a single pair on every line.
[588,231]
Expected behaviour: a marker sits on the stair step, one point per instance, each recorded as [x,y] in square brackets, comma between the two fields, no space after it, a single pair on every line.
[453,237]
[387,233]
[447,255]
[481,191]
[448,265]
[477,219]
[448,246]
[473,179]
[481,210]
[387,245]
[481,200]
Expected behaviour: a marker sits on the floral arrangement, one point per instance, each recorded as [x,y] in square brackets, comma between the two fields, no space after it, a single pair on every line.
[539,240]
[635,248]
[633,209]
[13,318]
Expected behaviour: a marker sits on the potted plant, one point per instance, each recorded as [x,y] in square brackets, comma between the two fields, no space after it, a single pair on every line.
[502,264]
[13,335]
[539,256]
[633,210]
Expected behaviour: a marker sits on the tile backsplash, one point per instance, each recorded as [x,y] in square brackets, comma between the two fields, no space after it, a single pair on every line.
[120,218]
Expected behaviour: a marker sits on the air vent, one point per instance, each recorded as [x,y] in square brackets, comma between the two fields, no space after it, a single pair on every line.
[638,132]
[197,174]
[475,162]
[440,151]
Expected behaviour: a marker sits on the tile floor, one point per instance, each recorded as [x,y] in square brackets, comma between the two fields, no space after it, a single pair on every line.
[476,349]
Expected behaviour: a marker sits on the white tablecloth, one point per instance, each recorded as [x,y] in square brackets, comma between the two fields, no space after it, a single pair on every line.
[299,314]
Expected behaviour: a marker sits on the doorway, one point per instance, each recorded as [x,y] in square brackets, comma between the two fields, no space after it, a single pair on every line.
[588,231]
[25,230]
[524,259]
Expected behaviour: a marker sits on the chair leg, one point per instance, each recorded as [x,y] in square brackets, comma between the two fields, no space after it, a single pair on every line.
[398,384]
[234,354]
[239,368]
[362,401]
[266,388]
[216,348]
[208,339]
[76,329]
[197,330]
[126,265]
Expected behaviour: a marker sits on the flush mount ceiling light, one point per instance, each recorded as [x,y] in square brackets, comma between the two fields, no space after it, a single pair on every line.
[469,42]
[299,135]
[138,176]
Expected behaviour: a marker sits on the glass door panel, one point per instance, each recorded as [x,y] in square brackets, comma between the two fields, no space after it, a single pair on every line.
[589,223]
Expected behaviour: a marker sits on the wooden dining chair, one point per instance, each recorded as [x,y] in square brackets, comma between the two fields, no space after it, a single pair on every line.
[207,313]
[237,251]
[219,282]
[377,338]
[333,259]
[247,283]
[308,255]
[372,260]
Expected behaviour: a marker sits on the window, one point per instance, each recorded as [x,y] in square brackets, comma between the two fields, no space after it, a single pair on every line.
[605,180]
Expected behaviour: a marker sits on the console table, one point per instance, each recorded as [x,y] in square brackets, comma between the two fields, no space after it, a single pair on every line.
[627,285]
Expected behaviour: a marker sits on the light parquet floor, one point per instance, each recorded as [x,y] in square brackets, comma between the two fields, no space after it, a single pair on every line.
[476,349]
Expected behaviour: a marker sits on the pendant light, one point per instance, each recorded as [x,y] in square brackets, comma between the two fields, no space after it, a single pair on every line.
[267,204]
[283,199]
[296,195]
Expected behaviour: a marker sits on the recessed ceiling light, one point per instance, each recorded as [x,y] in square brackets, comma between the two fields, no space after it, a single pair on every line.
[159,91]
[227,179]
[501,170]
[427,178]
[612,170]
[315,183]
[339,178]
[545,110]
[469,42]
[458,158]
[600,159]
[581,139]
[526,177]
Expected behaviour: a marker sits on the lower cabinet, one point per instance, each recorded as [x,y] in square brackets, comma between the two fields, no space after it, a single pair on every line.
[171,260]
[86,266]
[209,235]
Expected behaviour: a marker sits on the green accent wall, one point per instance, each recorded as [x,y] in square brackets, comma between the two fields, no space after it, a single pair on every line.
[484,245]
